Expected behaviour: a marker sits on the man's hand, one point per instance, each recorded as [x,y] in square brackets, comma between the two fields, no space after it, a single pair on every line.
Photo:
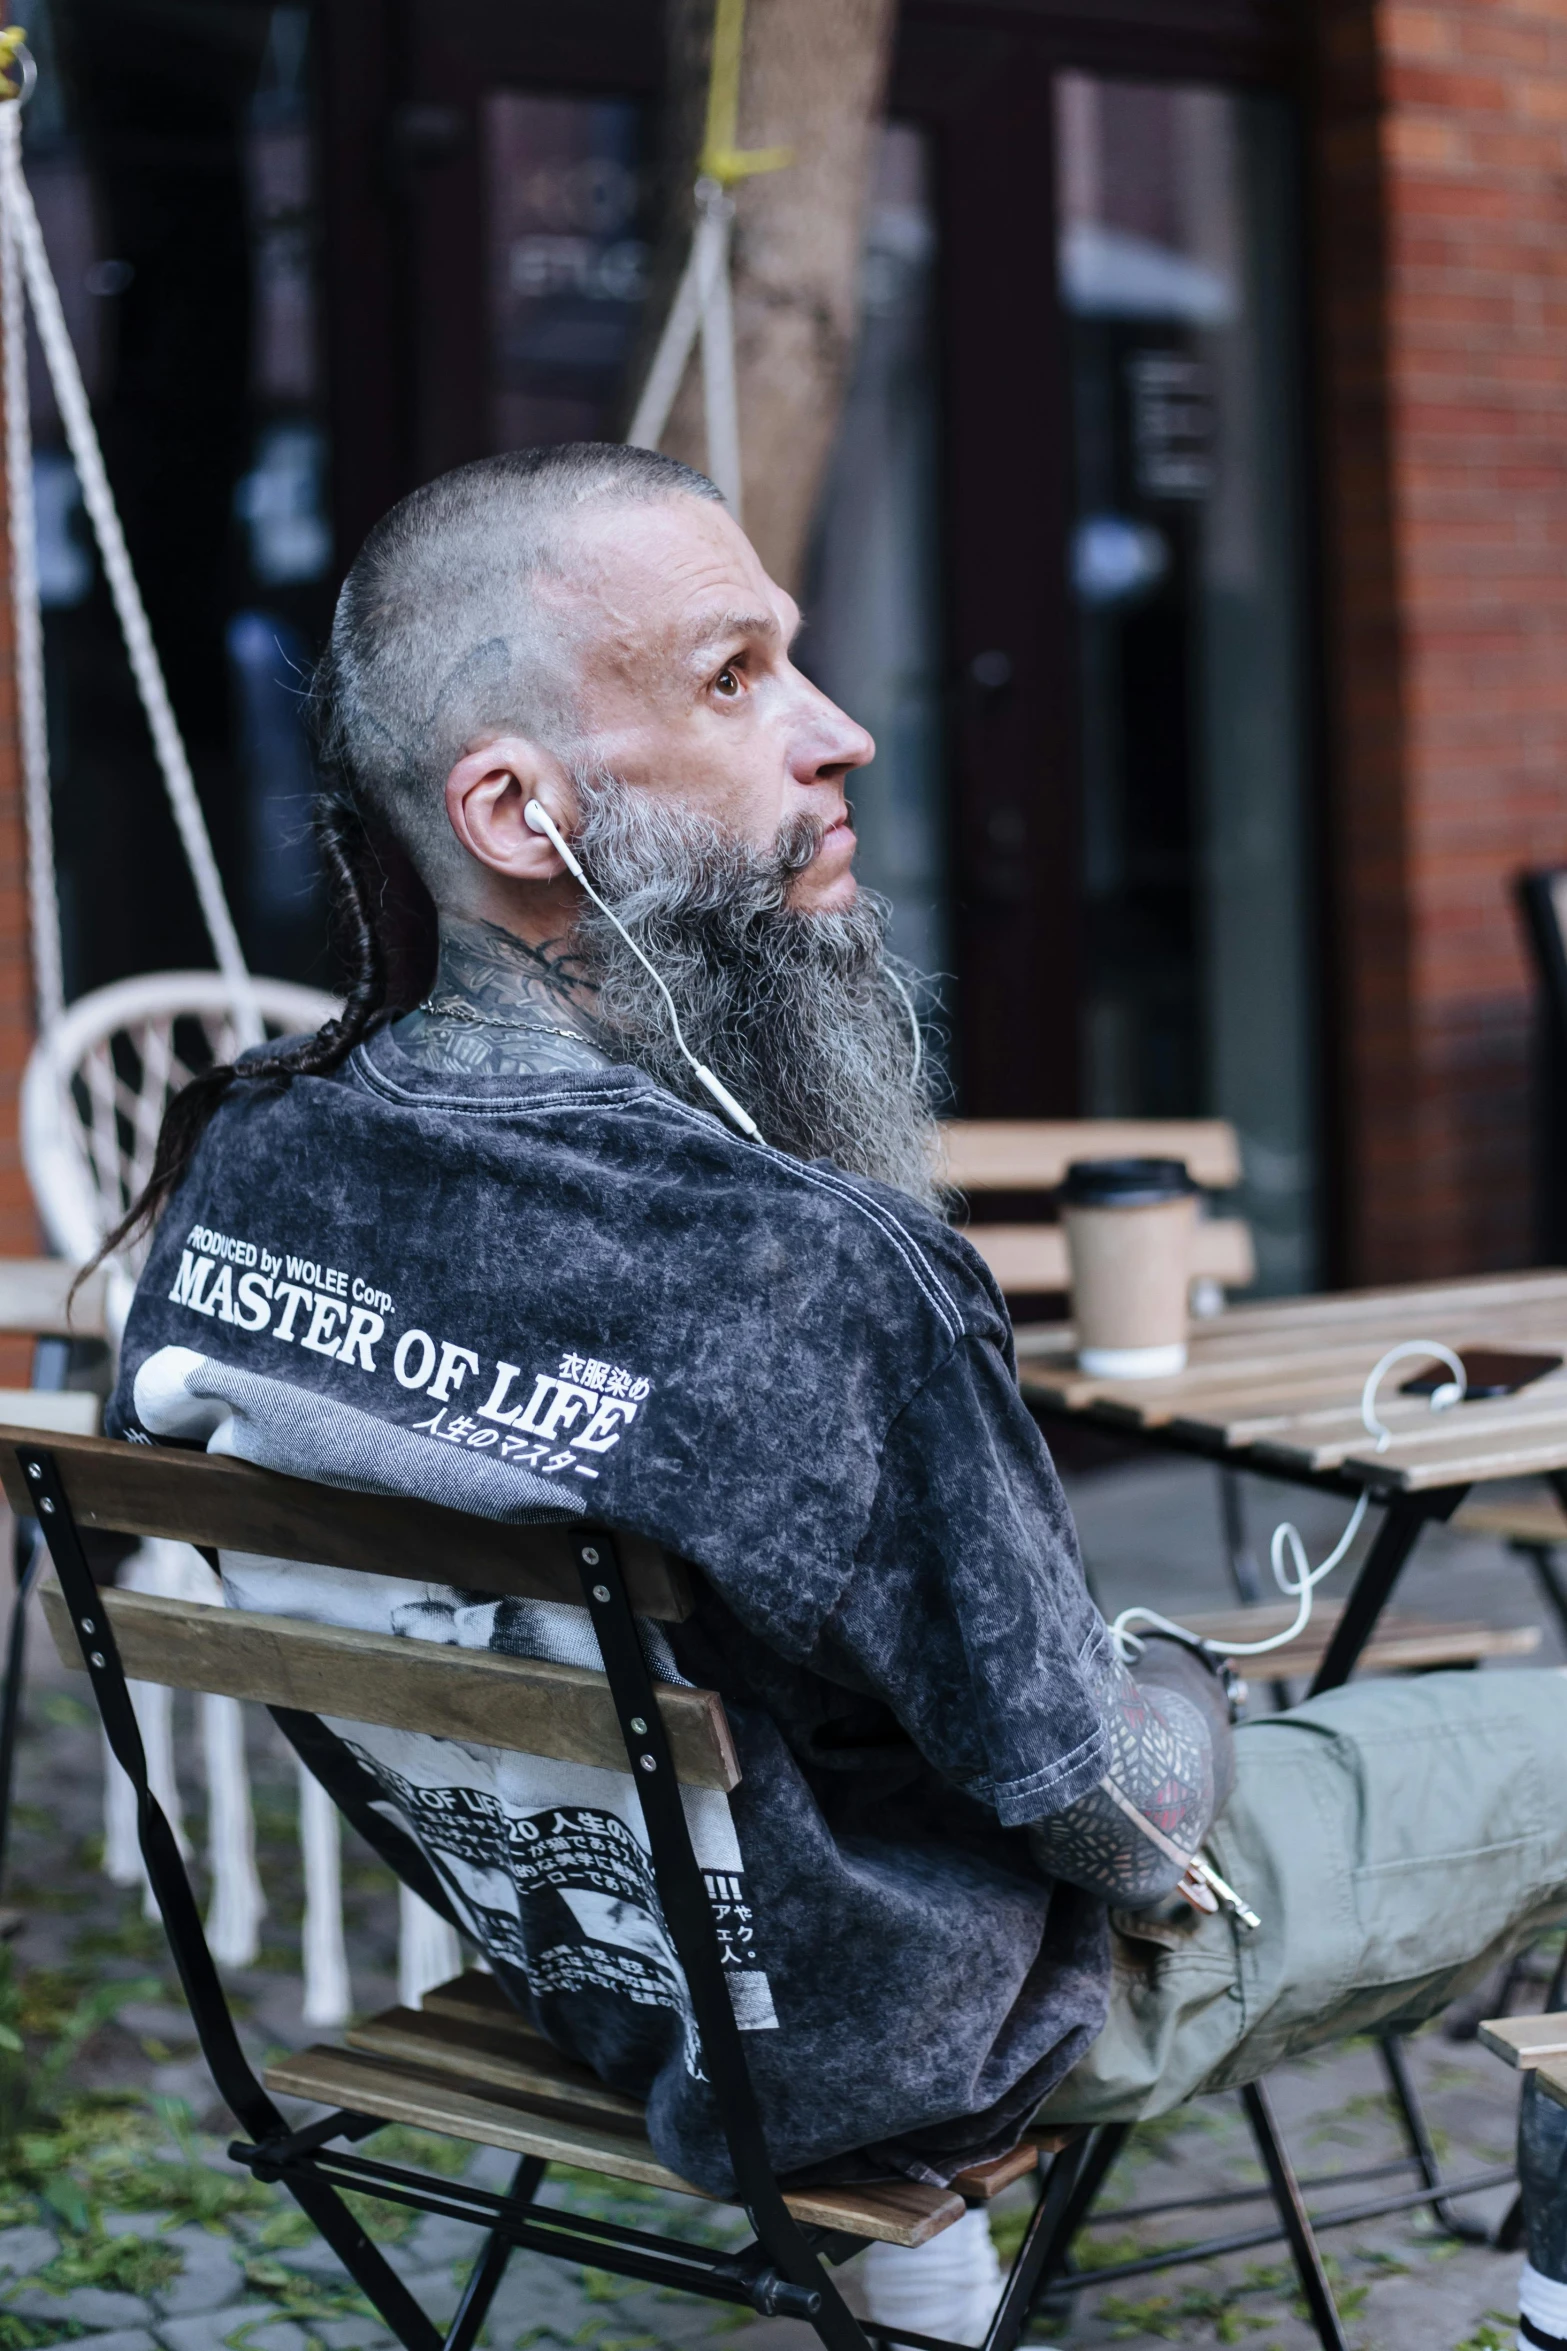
[1171,1754]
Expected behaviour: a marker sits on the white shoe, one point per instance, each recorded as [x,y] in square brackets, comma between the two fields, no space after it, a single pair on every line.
[949,2287]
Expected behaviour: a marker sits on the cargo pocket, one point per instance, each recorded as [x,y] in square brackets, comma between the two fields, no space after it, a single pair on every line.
[1450,1843]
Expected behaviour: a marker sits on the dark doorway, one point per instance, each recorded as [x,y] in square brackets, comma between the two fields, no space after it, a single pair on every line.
[170,150]
[1129,755]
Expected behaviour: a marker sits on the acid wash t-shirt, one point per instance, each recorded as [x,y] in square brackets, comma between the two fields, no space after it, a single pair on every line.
[573,1295]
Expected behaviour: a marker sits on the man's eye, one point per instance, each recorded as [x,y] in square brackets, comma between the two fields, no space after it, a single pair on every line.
[727,683]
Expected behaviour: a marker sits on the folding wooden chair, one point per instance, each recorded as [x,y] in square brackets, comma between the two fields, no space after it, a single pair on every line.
[467,2065]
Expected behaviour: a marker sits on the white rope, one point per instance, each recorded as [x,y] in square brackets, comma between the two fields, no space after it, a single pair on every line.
[703,305]
[32,717]
[428,1952]
[681,328]
[71,397]
[720,395]
[328,1993]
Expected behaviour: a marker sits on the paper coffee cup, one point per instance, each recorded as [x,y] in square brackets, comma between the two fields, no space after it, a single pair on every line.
[1129,1243]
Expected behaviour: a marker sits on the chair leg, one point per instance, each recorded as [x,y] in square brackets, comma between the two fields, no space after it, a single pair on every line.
[1291,2208]
[1542,1558]
[29,1553]
[1244,1571]
[1071,2187]
[1558,1983]
[490,2266]
[1406,2100]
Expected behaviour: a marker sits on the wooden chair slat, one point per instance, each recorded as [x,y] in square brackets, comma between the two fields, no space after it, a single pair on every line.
[1027,1257]
[33,1299]
[982,2181]
[475,1994]
[61,1411]
[1526,2041]
[475,2007]
[528,2067]
[1400,1644]
[470,2048]
[521,1703]
[1033,1154]
[900,2212]
[227,1505]
[1523,1521]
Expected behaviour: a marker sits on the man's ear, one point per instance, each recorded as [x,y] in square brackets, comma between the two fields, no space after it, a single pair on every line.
[486,794]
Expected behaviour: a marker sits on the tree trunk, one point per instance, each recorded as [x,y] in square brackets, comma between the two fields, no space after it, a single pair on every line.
[812,80]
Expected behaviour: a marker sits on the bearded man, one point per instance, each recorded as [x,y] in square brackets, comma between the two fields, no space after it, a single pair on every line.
[504,1253]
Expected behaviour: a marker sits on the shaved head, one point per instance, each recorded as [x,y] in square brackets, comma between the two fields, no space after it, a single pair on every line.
[455,622]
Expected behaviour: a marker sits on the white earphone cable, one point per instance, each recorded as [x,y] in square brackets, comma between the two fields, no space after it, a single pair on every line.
[915,1031]
[1286,1536]
[539,820]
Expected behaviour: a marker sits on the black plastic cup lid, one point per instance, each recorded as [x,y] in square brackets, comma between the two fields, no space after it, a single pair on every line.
[1125,1183]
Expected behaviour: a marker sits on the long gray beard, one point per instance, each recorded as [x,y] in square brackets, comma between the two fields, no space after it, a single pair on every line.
[795,1012]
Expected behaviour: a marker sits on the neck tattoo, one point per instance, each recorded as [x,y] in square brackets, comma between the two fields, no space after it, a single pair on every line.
[503,1008]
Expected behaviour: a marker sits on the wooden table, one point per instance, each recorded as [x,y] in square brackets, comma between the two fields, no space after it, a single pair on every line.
[1275,1389]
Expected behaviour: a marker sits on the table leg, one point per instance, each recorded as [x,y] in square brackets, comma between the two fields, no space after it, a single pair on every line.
[1542,1558]
[1396,1538]
[1237,1543]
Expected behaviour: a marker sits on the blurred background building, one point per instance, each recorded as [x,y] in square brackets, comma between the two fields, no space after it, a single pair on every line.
[1195,543]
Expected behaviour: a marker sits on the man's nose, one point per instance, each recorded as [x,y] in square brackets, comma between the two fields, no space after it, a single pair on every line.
[835,744]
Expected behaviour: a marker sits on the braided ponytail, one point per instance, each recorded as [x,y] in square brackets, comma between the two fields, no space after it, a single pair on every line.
[362,909]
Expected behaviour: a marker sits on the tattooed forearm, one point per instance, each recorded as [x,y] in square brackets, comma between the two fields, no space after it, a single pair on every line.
[503,1008]
[1161,1757]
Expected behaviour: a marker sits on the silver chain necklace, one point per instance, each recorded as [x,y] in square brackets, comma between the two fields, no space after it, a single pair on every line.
[450,1008]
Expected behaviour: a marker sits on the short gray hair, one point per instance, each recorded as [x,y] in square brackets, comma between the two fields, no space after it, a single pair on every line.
[438,634]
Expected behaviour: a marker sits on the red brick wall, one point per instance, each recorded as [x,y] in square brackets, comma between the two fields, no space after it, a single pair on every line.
[1443,262]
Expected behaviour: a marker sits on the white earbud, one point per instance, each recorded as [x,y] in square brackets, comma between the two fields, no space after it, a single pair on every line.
[538,819]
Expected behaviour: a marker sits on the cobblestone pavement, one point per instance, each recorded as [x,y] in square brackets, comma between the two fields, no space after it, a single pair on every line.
[123,2225]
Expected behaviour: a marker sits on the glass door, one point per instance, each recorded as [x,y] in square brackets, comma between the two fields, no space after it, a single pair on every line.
[1176,275]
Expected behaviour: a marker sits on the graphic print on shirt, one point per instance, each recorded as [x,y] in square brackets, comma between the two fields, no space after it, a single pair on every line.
[543,1863]
[558,1421]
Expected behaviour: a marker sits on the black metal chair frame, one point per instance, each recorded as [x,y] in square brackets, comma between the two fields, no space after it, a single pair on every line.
[51,1367]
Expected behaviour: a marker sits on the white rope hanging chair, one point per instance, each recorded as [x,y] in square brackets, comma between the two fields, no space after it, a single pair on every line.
[99,1079]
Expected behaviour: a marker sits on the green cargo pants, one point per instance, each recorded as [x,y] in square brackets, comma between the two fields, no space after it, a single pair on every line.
[1396,1838]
